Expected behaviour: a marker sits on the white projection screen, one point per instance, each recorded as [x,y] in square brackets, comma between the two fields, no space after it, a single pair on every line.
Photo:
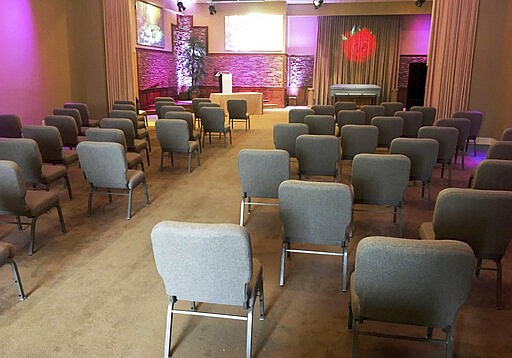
[254,33]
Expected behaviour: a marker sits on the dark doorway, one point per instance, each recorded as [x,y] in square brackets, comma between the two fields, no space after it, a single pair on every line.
[416,84]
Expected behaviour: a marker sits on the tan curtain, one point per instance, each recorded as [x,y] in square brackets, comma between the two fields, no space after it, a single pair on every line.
[450,58]
[119,47]
[333,67]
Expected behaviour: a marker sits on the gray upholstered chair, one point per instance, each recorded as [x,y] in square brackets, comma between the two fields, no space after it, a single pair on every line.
[75,114]
[209,263]
[195,107]
[261,171]
[507,135]
[381,179]
[126,125]
[463,125]
[357,139]
[447,138]
[296,115]
[87,121]
[7,257]
[344,105]
[475,117]
[237,112]
[163,99]
[501,150]
[389,128]
[141,119]
[18,202]
[67,128]
[167,108]
[315,213]
[412,122]
[481,218]
[429,114]
[140,133]
[412,282]
[160,104]
[115,135]
[213,120]
[10,126]
[123,101]
[372,110]
[391,107]
[318,155]
[50,145]
[325,109]
[173,136]
[285,136]
[104,165]
[348,116]
[202,105]
[422,152]
[493,174]
[320,124]
[193,134]
[25,152]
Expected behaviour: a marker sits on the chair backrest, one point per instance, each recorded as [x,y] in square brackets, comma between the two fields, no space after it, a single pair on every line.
[315,212]
[389,128]
[422,152]
[326,109]
[317,154]
[132,116]
[163,99]
[48,140]
[349,116]
[342,105]
[380,179]
[237,108]
[72,112]
[480,218]
[67,128]
[412,122]
[493,174]
[357,139]
[196,101]
[123,124]
[500,150]
[212,118]
[167,108]
[320,124]
[262,170]
[124,107]
[507,134]
[106,135]
[160,104]
[372,110]
[172,134]
[25,152]
[103,163]
[296,115]
[202,105]
[82,108]
[429,114]
[203,262]
[187,116]
[12,193]
[285,135]
[463,125]
[475,117]
[10,126]
[446,137]
[123,101]
[419,282]
[391,107]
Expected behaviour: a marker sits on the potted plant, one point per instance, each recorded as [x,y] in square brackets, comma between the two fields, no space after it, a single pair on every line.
[194,61]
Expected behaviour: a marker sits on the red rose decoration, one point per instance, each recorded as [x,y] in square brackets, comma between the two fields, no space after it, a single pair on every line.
[359,46]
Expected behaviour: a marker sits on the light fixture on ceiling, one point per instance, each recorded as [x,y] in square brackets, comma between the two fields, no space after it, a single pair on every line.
[212,9]
[180,6]
[318,4]
[419,3]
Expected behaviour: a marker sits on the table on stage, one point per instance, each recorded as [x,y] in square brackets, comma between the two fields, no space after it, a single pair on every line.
[355,90]
[254,100]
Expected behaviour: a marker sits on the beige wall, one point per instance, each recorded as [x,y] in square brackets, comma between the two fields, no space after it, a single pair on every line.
[491,83]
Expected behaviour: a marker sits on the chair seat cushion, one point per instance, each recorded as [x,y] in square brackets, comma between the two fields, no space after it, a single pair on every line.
[142,133]
[426,231]
[50,173]
[39,201]
[133,159]
[196,135]
[94,123]
[69,156]
[5,252]
[141,125]
[138,145]
[134,177]
[193,145]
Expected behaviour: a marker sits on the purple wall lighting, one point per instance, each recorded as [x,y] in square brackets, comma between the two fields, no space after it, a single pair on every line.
[415,34]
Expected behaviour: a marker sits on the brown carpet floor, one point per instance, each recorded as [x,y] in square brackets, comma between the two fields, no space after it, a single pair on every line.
[95,292]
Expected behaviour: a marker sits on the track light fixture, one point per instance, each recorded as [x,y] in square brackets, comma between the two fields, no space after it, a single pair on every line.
[419,3]
[212,9]
[318,4]
[180,6]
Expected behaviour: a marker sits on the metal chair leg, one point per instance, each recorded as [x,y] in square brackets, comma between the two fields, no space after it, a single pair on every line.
[129,213]
[89,201]
[449,342]
[162,161]
[68,186]
[146,194]
[344,264]
[281,274]
[61,219]
[499,276]
[242,210]
[147,156]
[168,328]
[189,159]
[32,236]
[17,279]
[248,347]
[18,222]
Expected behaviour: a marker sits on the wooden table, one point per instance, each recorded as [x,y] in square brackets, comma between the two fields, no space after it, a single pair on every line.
[254,100]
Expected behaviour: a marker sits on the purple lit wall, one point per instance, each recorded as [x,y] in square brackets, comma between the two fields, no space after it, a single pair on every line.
[301,32]
[415,34]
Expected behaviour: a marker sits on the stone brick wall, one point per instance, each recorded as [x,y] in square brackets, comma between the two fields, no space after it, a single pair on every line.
[403,70]
[155,67]
[300,71]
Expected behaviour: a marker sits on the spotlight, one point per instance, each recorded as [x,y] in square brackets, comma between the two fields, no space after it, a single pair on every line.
[212,9]
[181,8]
[419,3]
[318,4]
